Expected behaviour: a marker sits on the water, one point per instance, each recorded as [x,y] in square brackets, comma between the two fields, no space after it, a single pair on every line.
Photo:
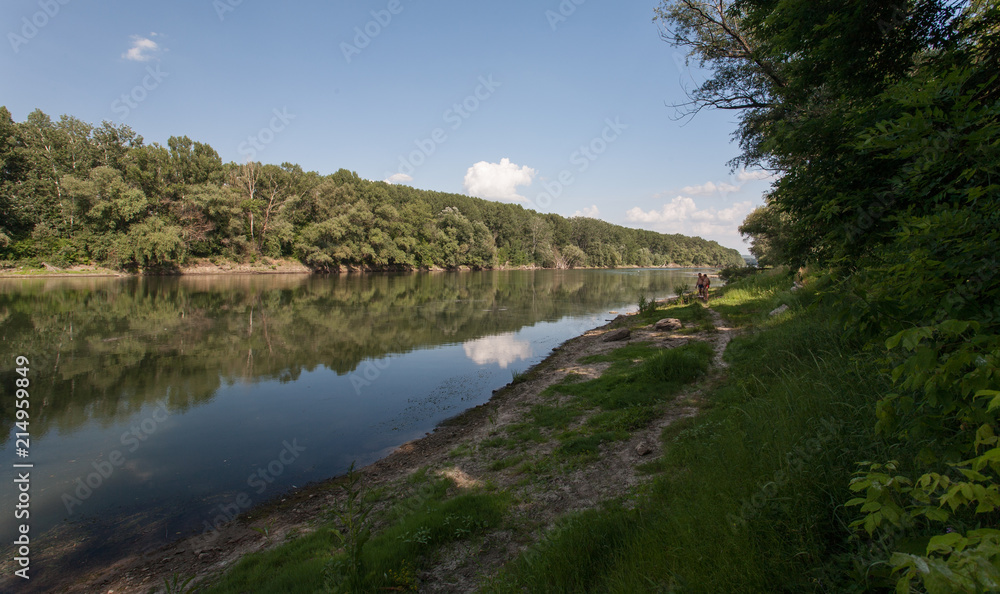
[158,403]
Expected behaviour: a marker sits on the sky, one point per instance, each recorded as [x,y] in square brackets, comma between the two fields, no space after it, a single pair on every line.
[560,105]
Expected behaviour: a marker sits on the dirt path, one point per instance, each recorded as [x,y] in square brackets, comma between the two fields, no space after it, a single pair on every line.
[454,450]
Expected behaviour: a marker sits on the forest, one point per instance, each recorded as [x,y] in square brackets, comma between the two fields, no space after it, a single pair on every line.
[75,193]
[882,123]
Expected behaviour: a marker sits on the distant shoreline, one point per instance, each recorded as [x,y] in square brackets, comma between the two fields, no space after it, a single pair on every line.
[207,268]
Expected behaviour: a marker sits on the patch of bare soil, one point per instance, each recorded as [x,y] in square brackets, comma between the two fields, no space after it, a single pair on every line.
[454,450]
[266,266]
[78,270]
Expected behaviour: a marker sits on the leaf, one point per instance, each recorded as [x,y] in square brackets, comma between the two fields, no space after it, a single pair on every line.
[871,506]
[989,457]
[995,403]
[972,475]
[944,542]
[954,326]
[893,341]
[937,514]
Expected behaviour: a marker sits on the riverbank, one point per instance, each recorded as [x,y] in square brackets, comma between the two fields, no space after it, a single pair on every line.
[476,447]
[219,266]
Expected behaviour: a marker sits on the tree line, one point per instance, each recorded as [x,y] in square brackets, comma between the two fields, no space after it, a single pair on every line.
[882,121]
[72,192]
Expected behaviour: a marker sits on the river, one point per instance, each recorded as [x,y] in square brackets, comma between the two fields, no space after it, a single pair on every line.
[158,405]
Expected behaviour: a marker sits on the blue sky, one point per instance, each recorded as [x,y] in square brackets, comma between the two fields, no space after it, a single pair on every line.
[560,105]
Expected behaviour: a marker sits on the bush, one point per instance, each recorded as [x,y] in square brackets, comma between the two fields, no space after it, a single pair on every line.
[731,273]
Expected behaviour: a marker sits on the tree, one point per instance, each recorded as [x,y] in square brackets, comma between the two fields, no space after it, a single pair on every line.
[150,244]
[573,256]
[768,230]
[540,235]
[12,173]
[194,162]
[806,77]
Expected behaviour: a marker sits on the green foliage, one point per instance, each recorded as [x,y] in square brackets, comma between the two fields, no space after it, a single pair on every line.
[151,244]
[647,308]
[732,273]
[885,124]
[176,585]
[352,532]
[69,183]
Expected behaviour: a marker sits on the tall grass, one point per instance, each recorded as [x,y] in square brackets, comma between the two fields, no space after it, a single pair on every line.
[748,492]
[414,529]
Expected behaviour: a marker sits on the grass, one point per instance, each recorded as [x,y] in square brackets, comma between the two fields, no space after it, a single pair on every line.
[690,313]
[415,527]
[746,495]
[554,417]
[575,444]
[640,375]
[625,419]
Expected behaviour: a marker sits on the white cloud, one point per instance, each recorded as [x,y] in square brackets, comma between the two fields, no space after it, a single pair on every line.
[589,212]
[735,183]
[497,349]
[143,49]
[744,176]
[710,188]
[498,181]
[399,178]
[682,215]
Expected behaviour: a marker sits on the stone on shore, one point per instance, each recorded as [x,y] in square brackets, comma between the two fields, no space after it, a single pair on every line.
[669,324]
[619,334]
[779,310]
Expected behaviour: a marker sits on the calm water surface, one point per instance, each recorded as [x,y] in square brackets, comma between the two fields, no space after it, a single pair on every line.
[159,404]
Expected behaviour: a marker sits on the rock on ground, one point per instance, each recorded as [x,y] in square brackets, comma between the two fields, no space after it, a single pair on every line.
[619,334]
[669,324]
[779,310]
